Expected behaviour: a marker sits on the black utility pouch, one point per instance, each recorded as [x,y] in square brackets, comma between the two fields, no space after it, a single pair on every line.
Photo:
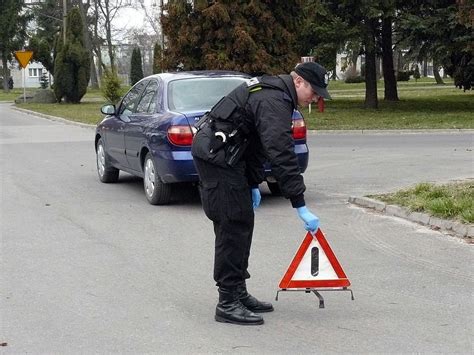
[203,143]
[234,152]
[224,109]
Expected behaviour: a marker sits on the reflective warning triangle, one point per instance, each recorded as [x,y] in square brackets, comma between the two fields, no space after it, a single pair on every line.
[314,266]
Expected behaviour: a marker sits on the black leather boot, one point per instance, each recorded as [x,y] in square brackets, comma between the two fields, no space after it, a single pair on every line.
[231,310]
[251,302]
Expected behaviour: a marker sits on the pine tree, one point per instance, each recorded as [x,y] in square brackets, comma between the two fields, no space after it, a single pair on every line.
[13,25]
[47,29]
[72,62]
[440,31]
[136,69]
[255,37]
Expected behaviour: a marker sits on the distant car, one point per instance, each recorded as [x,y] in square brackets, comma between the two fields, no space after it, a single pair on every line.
[149,133]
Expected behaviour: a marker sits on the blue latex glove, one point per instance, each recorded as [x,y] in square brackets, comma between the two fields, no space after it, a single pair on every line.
[311,222]
[256,197]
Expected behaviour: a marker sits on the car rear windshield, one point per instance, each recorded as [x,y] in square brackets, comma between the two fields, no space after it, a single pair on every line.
[199,94]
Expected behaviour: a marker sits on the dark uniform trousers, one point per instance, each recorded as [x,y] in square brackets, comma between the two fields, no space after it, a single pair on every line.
[227,202]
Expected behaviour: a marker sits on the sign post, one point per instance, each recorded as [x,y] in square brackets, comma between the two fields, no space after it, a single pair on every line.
[23,58]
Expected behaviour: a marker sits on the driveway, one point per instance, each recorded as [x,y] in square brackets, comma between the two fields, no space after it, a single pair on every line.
[88,267]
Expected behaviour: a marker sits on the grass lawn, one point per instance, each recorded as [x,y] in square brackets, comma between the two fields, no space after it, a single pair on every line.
[11,95]
[422,105]
[451,201]
[85,112]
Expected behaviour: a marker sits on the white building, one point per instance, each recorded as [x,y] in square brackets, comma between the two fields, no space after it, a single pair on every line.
[33,73]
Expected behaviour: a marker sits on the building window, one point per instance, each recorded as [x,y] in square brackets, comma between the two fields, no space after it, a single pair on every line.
[34,72]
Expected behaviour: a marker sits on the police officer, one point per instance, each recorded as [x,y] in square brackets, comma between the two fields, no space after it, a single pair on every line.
[247,127]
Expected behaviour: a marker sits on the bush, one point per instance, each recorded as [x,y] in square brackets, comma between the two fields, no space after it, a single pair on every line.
[111,87]
[416,73]
[403,75]
[44,82]
[354,80]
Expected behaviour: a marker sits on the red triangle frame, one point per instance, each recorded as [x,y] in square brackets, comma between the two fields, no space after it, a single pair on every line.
[288,282]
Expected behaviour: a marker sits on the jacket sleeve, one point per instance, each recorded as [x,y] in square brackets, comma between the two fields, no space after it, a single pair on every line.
[273,119]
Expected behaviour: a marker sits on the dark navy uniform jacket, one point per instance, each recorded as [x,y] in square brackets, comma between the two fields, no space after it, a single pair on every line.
[272,111]
[268,115]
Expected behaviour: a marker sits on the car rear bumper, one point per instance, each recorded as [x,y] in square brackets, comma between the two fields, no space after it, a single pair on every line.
[178,166]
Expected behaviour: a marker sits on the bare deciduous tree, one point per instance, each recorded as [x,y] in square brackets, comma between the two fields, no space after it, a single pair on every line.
[108,11]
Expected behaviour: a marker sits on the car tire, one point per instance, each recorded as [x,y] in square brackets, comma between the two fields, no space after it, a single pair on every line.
[106,172]
[156,191]
[274,188]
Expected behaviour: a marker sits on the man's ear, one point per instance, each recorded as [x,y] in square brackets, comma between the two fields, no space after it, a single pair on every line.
[298,81]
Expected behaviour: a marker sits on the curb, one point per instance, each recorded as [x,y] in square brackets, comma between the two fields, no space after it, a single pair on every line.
[461,230]
[389,131]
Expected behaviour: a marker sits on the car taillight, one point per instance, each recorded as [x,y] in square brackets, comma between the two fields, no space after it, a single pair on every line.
[180,135]
[298,129]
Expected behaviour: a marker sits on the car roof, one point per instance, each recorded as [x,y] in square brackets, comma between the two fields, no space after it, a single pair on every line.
[197,74]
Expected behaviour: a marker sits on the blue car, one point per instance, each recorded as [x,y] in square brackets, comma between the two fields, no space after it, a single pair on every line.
[149,133]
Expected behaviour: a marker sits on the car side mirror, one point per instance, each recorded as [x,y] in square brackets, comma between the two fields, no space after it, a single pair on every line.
[108,109]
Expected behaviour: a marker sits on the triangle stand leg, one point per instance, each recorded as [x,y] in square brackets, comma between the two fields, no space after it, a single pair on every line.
[316,292]
[321,299]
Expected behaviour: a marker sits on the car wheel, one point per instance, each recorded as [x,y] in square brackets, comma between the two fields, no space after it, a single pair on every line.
[274,188]
[106,172]
[156,192]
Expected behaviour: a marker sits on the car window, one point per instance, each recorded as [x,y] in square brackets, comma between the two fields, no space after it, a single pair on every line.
[147,102]
[199,94]
[129,102]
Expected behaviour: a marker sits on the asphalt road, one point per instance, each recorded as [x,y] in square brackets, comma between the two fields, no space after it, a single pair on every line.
[88,267]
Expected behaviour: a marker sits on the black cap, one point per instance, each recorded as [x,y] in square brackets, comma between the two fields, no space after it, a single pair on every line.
[315,74]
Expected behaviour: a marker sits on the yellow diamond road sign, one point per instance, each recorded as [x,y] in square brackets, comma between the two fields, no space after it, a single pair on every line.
[23,57]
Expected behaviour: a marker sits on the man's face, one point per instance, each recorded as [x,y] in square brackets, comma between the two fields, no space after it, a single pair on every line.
[304,92]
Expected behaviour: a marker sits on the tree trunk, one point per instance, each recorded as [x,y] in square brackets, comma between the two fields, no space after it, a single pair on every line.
[399,62]
[5,72]
[97,42]
[371,100]
[425,68]
[354,58]
[100,64]
[110,46]
[333,75]
[390,81]
[88,45]
[378,72]
[106,11]
[439,80]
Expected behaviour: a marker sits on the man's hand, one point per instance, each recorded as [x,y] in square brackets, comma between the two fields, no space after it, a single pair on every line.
[311,222]
[256,197]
